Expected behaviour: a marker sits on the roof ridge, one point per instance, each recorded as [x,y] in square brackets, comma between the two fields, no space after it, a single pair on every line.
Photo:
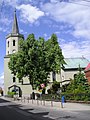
[76,58]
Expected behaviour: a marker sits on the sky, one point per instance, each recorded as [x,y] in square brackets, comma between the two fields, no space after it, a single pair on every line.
[68,19]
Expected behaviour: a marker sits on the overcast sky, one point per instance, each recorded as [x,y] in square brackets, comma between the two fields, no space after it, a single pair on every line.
[69,20]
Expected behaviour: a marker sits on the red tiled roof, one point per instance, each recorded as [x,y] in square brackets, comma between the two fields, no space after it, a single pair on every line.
[88,67]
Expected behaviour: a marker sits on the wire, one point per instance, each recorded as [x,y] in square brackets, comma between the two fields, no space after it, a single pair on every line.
[79,4]
[76,2]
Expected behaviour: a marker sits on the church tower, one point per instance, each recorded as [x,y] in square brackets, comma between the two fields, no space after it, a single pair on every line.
[13,38]
[12,41]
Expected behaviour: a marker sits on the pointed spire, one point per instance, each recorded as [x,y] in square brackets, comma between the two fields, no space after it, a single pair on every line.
[15,29]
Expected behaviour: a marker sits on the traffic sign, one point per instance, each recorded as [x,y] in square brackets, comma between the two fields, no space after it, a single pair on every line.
[42,85]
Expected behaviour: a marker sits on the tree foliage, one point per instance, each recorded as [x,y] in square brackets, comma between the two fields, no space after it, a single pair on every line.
[54,53]
[36,59]
[78,88]
[79,84]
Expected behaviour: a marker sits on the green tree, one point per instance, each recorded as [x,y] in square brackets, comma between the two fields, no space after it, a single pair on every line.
[26,60]
[78,86]
[12,63]
[42,64]
[36,59]
[54,53]
[55,86]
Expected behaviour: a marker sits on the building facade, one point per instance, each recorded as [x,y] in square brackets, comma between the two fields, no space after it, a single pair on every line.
[87,72]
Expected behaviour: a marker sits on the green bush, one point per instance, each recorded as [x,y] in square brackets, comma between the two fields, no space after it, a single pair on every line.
[55,87]
[77,96]
[49,91]
[11,94]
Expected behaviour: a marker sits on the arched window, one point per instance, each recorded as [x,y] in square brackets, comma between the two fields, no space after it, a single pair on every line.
[13,42]
[8,43]
[8,52]
[14,79]
[13,51]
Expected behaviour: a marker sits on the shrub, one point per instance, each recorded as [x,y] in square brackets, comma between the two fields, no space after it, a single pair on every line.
[49,91]
[55,87]
[11,94]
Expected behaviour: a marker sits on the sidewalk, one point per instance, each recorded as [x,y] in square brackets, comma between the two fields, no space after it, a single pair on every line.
[50,104]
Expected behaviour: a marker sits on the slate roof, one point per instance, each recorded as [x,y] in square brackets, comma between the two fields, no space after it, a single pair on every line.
[15,29]
[73,63]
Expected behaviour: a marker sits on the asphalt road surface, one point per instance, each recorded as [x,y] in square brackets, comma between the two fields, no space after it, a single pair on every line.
[12,111]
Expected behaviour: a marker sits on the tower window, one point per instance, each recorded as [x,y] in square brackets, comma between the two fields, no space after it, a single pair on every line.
[14,79]
[13,51]
[8,52]
[54,76]
[13,42]
[8,43]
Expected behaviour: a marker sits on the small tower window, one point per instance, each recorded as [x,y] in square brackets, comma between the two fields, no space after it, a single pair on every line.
[13,51]
[54,76]
[8,43]
[8,52]
[13,42]
[14,79]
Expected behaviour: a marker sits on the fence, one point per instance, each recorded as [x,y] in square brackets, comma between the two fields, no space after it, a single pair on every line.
[55,99]
[74,97]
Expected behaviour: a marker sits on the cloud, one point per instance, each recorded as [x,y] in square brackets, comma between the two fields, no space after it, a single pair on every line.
[54,1]
[74,14]
[57,32]
[1,80]
[15,3]
[4,23]
[76,49]
[2,29]
[83,33]
[22,31]
[12,3]
[5,20]
[29,13]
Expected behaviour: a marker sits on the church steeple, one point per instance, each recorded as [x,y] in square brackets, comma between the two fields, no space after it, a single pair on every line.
[12,39]
[15,29]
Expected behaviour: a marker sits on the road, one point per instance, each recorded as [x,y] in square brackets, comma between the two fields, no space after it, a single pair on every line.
[12,111]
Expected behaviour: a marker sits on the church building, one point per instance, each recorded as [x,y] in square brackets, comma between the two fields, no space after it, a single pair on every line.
[12,83]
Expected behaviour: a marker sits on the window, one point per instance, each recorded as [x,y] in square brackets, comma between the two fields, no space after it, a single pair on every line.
[13,42]
[75,75]
[14,79]
[8,52]
[54,76]
[13,51]
[8,43]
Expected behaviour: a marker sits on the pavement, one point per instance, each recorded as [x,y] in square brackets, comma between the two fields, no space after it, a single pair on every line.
[50,104]
[42,110]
